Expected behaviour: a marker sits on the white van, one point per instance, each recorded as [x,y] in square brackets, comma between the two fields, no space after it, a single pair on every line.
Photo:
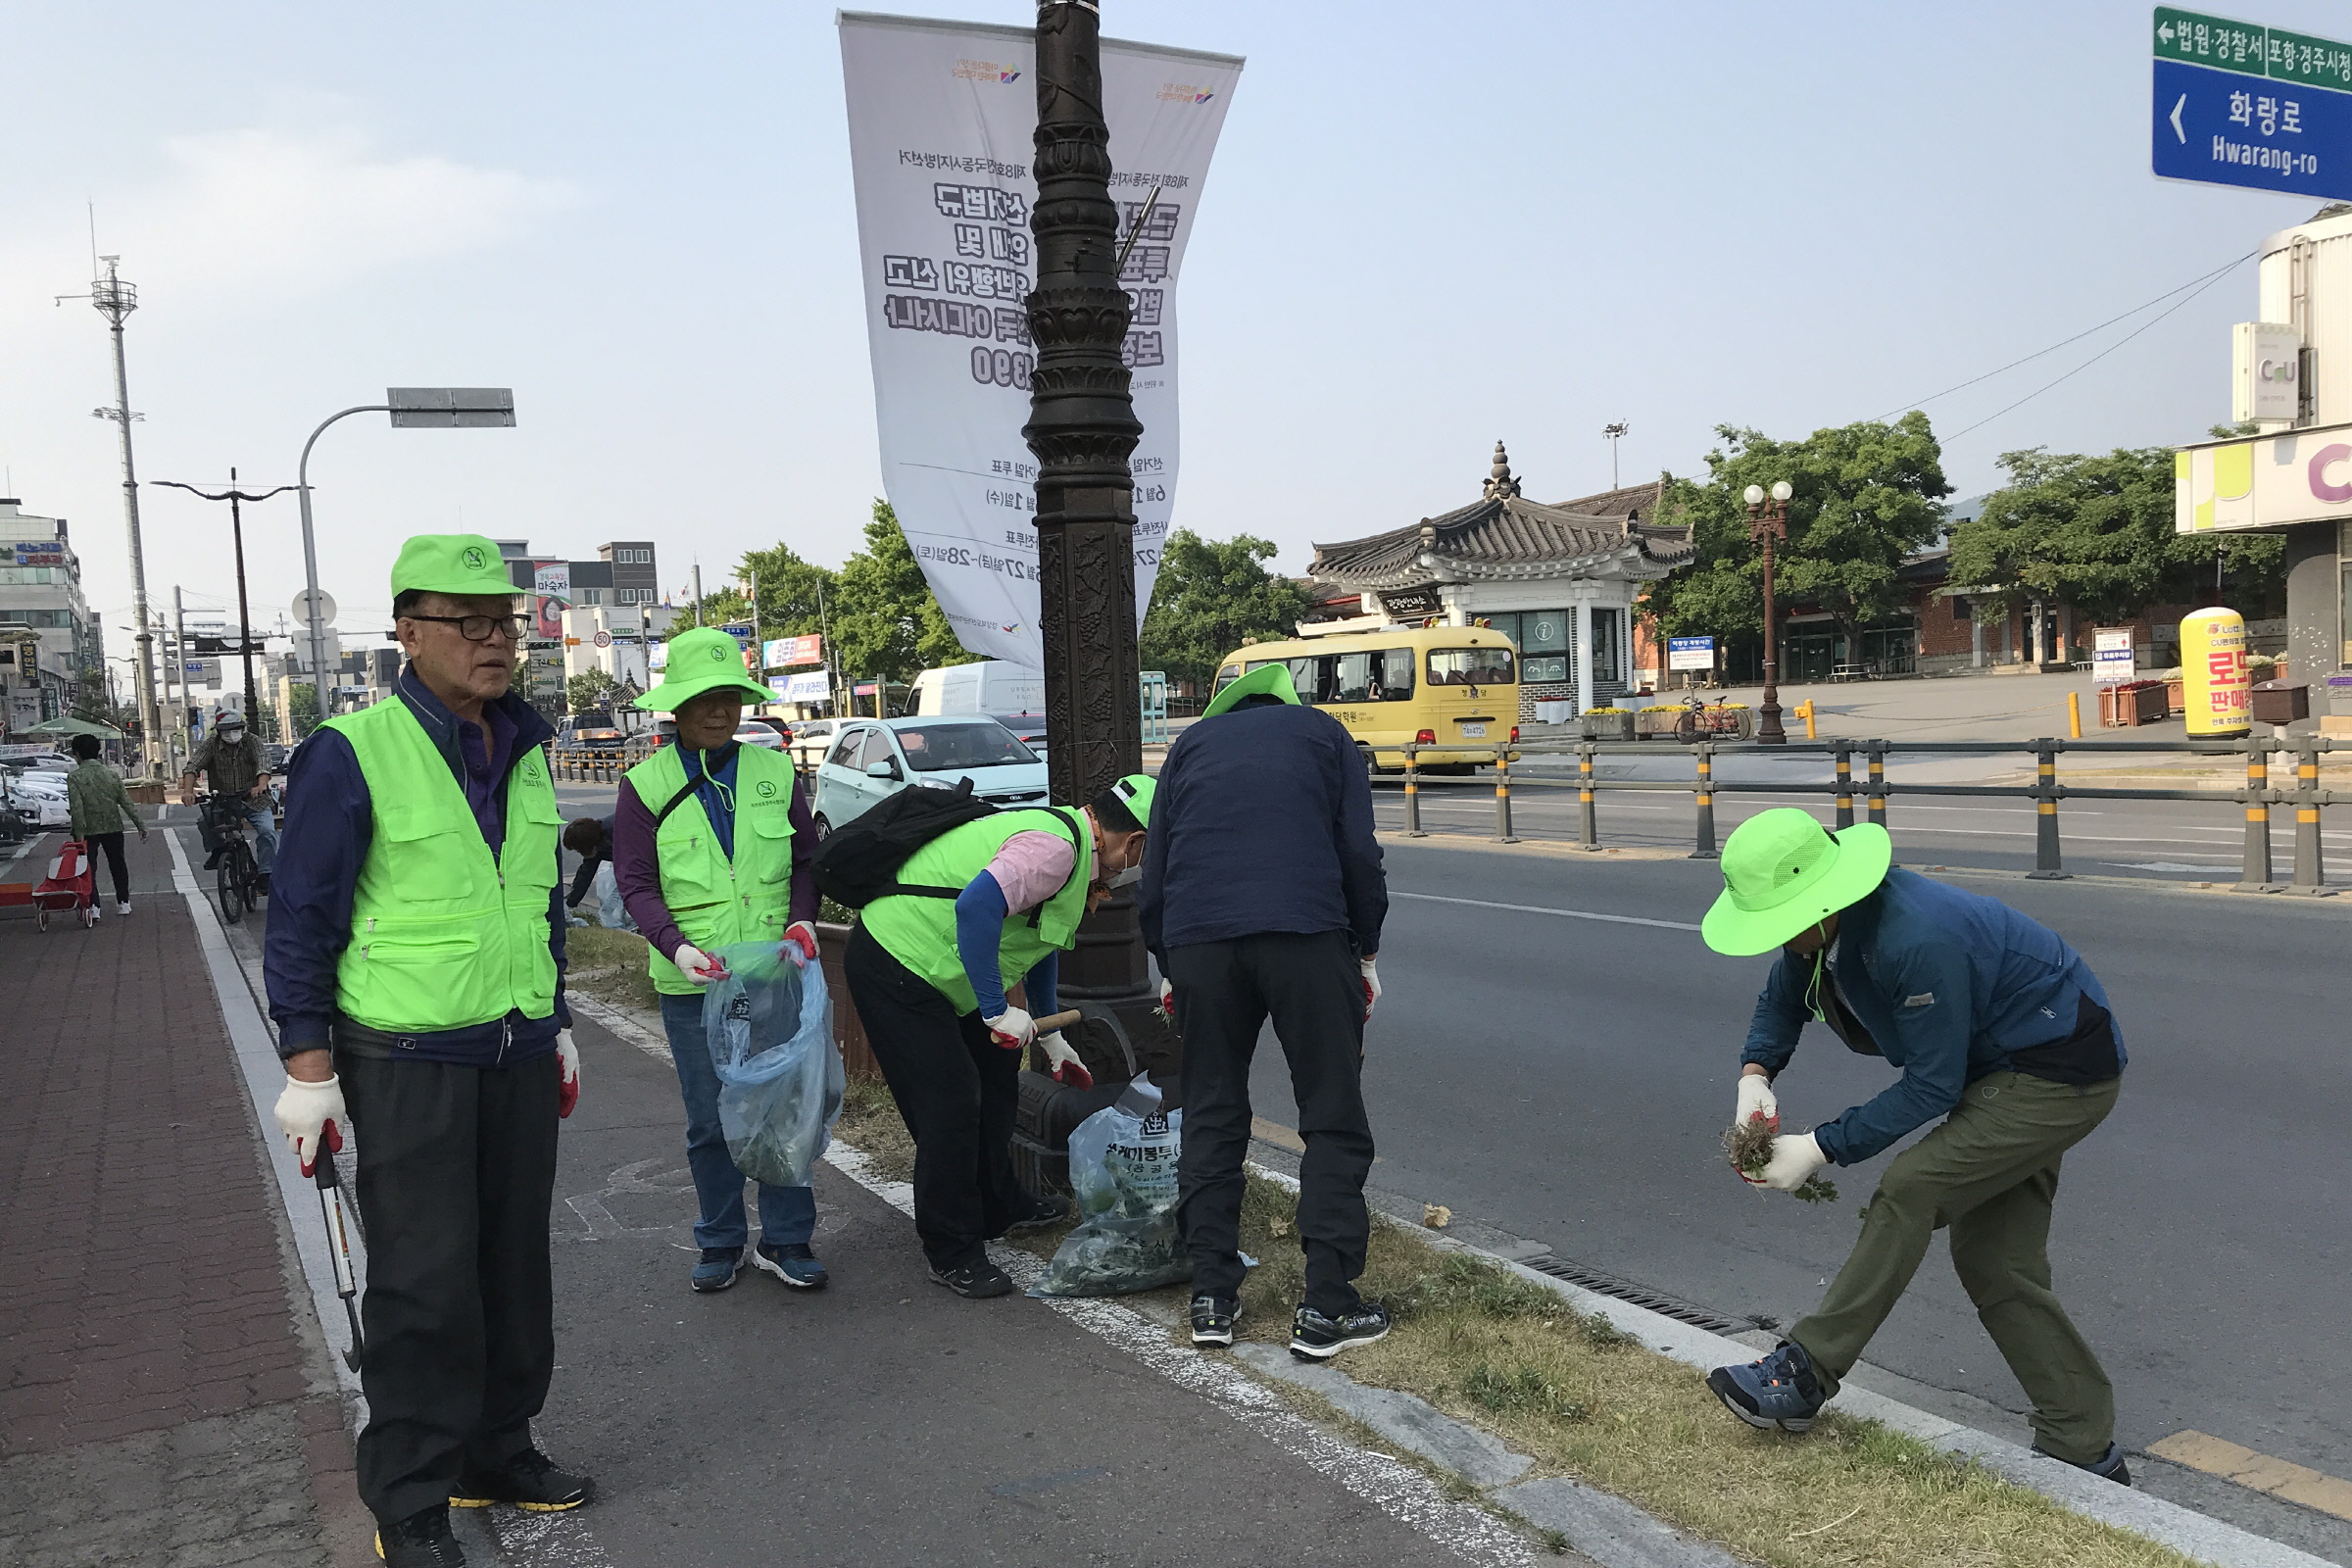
[990,686]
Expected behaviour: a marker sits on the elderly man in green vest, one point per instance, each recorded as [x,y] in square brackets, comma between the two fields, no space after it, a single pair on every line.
[988,904]
[710,848]
[414,966]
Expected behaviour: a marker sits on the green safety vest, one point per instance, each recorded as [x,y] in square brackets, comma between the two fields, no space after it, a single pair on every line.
[715,900]
[444,934]
[920,930]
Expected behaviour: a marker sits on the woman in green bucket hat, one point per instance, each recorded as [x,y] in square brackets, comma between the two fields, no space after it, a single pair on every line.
[712,842]
[2000,1029]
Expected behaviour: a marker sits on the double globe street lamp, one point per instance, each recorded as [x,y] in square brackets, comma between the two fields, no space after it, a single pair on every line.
[1767,522]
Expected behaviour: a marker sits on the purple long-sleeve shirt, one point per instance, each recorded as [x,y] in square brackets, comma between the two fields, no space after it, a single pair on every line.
[637,866]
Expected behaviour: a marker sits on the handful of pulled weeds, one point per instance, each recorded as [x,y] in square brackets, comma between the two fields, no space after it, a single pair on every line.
[1749,1145]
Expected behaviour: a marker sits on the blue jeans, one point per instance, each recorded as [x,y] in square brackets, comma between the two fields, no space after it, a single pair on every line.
[265,833]
[787,1214]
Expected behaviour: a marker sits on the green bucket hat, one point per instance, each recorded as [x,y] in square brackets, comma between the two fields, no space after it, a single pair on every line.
[450,563]
[704,659]
[1784,872]
[1266,680]
[1135,791]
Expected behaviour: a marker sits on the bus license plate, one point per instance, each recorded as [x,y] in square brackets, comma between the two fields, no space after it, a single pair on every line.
[1474,732]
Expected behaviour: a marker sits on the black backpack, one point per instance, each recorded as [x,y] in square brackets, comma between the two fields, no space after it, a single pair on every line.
[858,861]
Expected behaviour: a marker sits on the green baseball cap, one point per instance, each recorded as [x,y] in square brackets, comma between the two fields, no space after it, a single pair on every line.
[1135,791]
[1266,680]
[450,563]
[1784,872]
[704,659]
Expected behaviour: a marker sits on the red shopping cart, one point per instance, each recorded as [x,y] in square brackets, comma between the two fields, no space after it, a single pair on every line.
[71,885]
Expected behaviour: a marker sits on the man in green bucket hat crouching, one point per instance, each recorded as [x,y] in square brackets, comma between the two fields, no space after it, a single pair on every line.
[2001,1029]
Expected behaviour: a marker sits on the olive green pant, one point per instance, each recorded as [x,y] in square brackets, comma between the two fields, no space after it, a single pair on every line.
[1989,1172]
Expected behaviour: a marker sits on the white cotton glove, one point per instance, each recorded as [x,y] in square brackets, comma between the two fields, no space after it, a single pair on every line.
[567,1073]
[1167,1001]
[1063,1061]
[310,1115]
[1757,1100]
[1795,1158]
[697,966]
[1371,986]
[1013,1028]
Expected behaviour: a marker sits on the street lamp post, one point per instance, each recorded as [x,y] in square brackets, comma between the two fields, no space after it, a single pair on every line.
[1082,427]
[1615,433]
[236,533]
[1768,521]
[436,408]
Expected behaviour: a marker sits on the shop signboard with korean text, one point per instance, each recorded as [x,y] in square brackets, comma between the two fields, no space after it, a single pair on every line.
[2236,103]
[1690,653]
[2111,662]
[811,686]
[2263,481]
[786,653]
[941,121]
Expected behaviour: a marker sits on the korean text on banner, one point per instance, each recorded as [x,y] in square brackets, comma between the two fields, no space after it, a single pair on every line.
[941,121]
[1690,653]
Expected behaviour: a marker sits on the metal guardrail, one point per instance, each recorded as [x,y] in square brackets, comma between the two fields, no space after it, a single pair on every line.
[582,765]
[2256,796]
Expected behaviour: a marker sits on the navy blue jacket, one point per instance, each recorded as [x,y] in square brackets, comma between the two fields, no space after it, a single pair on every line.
[330,821]
[1950,986]
[1262,821]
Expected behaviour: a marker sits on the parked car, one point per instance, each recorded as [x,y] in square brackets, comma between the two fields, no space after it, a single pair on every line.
[39,796]
[810,739]
[592,732]
[756,731]
[872,759]
[1030,727]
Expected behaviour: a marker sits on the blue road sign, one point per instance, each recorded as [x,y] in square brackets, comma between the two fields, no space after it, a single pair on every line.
[2223,127]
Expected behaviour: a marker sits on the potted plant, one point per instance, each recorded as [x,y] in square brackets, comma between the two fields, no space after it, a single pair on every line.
[1608,724]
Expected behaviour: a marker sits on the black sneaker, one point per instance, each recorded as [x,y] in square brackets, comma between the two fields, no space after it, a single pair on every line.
[530,1481]
[715,1269]
[212,862]
[1213,1320]
[1316,1338]
[421,1540]
[977,1281]
[2108,1466]
[1043,1213]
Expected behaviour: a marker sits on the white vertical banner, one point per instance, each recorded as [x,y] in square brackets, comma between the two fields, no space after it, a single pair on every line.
[941,122]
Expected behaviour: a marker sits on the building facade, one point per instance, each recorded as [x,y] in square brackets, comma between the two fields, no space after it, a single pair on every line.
[1561,580]
[40,593]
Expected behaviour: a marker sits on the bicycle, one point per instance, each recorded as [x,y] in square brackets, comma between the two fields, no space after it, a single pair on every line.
[237,875]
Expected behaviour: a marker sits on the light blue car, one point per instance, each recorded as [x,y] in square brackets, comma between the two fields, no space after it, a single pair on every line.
[871,759]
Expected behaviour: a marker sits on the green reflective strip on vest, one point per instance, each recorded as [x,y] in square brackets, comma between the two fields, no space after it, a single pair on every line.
[445,934]
[920,932]
[715,900]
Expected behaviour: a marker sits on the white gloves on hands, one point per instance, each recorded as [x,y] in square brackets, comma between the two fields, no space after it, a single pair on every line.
[567,1073]
[1063,1061]
[310,1115]
[1168,999]
[1013,1028]
[1757,1100]
[1371,986]
[1795,1158]
[697,966]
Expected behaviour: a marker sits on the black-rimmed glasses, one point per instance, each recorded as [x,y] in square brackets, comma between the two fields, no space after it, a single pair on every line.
[478,628]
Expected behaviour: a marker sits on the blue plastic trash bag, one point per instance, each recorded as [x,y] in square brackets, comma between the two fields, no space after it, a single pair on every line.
[770,1024]
[1123,1169]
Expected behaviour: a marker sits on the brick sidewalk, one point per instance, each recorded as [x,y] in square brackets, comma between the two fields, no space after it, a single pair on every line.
[158,1402]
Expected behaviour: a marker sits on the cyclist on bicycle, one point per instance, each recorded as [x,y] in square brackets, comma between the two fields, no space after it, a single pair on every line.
[231,760]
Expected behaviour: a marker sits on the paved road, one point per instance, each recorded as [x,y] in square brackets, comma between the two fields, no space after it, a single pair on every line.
[1566,1080]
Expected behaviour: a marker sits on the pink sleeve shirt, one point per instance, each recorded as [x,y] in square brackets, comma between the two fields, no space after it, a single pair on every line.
[1031,868]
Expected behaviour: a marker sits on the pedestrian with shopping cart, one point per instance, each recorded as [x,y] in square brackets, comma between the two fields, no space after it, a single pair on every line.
[100,808]
[415,966]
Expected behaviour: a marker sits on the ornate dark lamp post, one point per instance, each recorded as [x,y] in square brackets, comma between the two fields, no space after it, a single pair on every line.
[1082,427]
[1768,521]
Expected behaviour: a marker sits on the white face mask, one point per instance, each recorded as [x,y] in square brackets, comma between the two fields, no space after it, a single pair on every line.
[1124,879]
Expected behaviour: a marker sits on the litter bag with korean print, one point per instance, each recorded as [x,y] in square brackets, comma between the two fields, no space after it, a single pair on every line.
[770,1023]
[1123,1170]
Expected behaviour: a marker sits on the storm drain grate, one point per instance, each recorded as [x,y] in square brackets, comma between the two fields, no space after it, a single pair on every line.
[1559,1268]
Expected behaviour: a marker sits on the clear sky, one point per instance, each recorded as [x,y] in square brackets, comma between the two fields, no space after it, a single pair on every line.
[1428,228]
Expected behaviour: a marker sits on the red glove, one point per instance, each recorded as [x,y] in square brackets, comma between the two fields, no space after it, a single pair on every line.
[803,935]
[567,1081]
[1067,1066]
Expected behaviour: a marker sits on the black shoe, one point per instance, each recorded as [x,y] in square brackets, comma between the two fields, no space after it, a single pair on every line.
[1213,1320]
[212,862]
[1041,1213]
[2108,1466]
[1316,1338]
[261,885]
[977,1281]
[421,1540]
[530,1481]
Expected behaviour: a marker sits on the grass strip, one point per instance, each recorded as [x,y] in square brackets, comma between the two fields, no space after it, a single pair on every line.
[610,966]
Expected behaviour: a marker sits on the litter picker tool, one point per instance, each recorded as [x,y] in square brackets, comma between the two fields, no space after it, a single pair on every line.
[338,1249]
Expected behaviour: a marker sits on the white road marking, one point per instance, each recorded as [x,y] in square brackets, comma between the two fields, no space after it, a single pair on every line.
[1537,909]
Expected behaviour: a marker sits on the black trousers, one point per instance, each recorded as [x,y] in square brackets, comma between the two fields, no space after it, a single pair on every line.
[957,1090]
[1314,992]
[110,845]
[457,1168]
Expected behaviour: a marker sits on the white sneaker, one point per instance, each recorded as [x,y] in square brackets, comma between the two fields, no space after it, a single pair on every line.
[123,906]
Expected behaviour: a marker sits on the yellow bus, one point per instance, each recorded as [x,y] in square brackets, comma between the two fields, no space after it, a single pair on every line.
[1434,686]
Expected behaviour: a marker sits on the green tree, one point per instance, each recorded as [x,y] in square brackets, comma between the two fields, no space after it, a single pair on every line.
[2096,532]
[1210,595]
[885,621]
[590,691]
[1867,495]
[302,708]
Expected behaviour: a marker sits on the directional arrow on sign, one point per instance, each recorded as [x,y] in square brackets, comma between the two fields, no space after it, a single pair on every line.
[2176,118]
[2165,32]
